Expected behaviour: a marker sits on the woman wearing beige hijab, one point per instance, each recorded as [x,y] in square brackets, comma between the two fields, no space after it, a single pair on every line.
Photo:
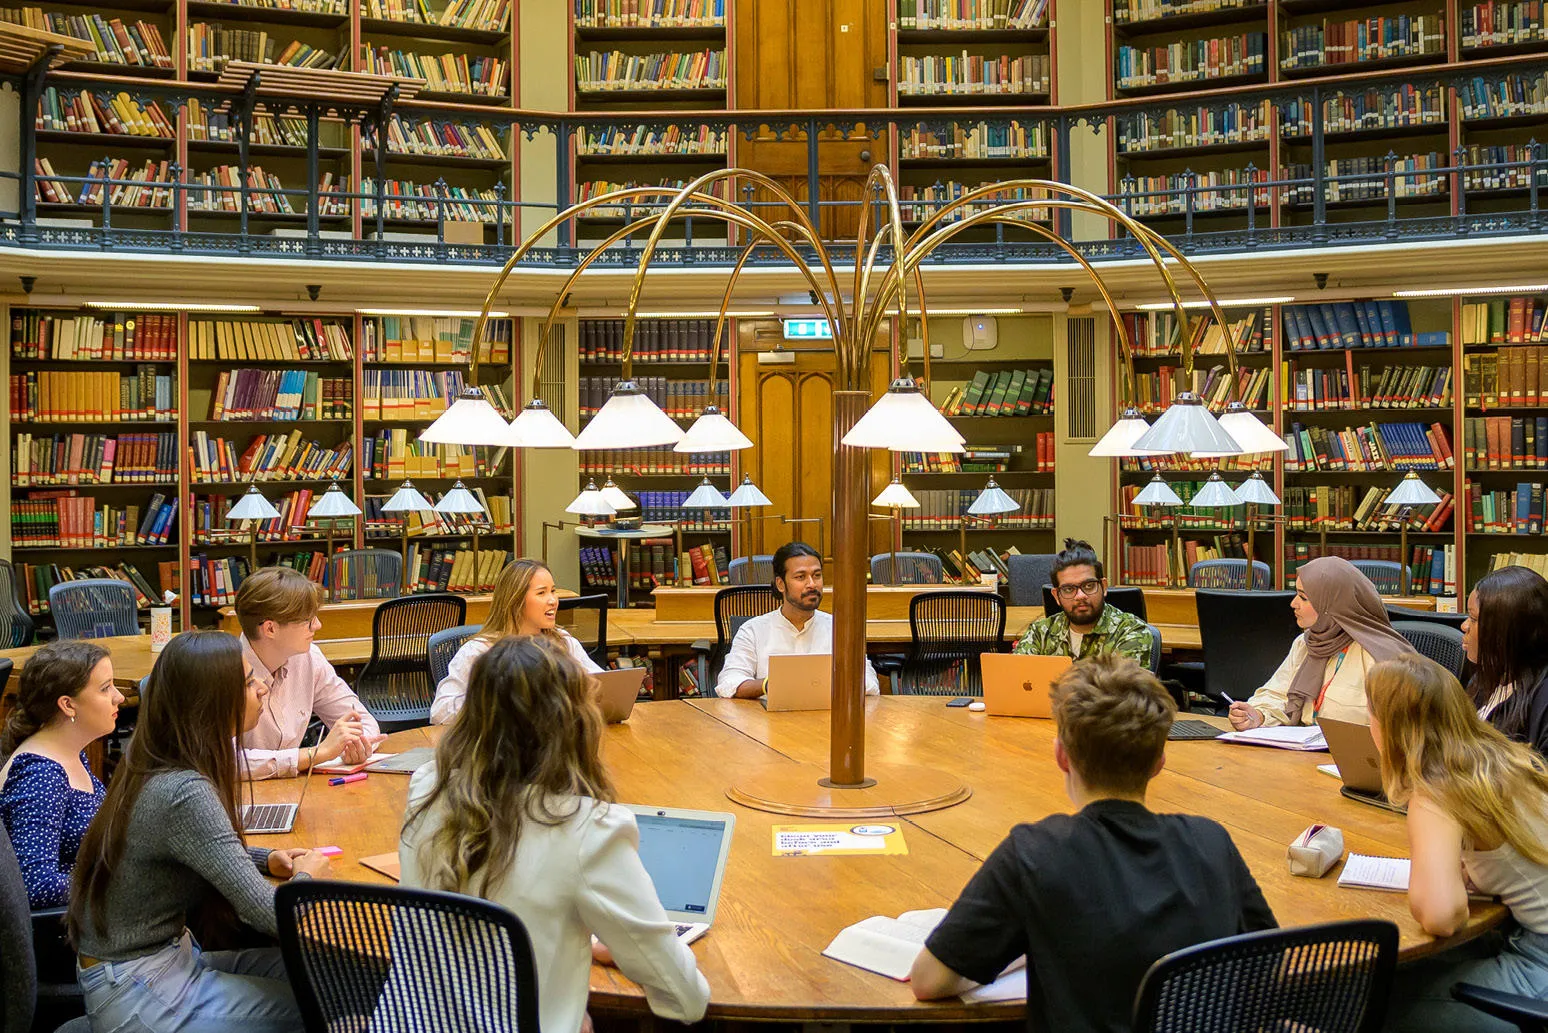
[1344,632]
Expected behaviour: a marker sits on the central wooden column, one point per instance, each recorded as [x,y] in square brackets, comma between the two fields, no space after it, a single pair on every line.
[851,556]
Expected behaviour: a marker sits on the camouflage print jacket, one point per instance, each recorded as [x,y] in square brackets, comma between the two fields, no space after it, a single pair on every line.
[1116,631]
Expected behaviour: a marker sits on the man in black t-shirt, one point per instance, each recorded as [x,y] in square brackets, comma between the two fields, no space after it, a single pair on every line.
[1093,899]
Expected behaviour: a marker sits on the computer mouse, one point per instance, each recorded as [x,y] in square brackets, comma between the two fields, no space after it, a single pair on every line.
[977,706]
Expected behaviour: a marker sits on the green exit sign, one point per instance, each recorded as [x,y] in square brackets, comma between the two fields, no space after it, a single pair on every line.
[808,330]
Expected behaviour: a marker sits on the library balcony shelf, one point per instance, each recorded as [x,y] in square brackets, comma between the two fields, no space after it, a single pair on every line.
[1245,17]
[253,12]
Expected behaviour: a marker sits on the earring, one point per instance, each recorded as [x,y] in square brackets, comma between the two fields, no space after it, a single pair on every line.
[72,719]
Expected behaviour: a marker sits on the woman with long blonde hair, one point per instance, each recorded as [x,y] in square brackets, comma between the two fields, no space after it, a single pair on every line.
[525,602]
[515,809]
[1477,821]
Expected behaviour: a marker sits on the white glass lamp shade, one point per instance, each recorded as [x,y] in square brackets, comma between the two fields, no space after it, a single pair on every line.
[407,499]
[1187,426]
[896,495]
[628,420]
[992,500]
[616,498]
[537,427]
[1411,491]
[334,503]
[903,420]
[459,500]
[712,432]
[590,503]
[1256,490]
[706,496]
[1121,436]
[747,496]
[1157,493]
[252,506]
[1247,431]
[1216,494]
[470,420]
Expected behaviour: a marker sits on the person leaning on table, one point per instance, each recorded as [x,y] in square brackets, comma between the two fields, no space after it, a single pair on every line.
[1344,631]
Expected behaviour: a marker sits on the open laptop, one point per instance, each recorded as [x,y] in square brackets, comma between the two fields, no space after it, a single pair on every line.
[259,819]
[617,691]
[1359,764]
[799,681]
[685,853]
[1016,685]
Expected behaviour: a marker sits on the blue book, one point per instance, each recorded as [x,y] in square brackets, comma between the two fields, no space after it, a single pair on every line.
[1405,329]
[1523,507]
[1437,584]
[1348,329]
[1388,324]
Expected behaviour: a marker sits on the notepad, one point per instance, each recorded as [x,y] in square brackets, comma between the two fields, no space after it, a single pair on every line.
[1368,872]
[387,864]
[886,946]
[337,766]
[1283,737]
[1330,770]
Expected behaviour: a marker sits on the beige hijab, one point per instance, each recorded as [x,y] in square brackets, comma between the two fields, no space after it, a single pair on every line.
[1349,609]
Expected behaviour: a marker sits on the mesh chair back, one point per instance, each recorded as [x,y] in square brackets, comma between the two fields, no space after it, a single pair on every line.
[909,568]
[401,959]
[1228,574]
[395,684]
[1245,636]
[1127,598]
[1029,572]
[443,647]
[733,607]
[751,570]
[949,631]
[1436,641]
[93,608]
[585,617]
[16,624]
[1331,978]
[1389,576]
[367,574]
[1154,666]
[1404,613]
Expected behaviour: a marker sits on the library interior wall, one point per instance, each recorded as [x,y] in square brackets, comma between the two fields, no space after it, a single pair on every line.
[549,475]
[1082,67]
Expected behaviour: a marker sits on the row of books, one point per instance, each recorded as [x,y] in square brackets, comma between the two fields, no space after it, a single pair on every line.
[116,42]
[1006,392]
[1168,563]
[214,581]
[445,73]
[1212,190]
[650,14]
[655,340]
[1191,61]
[496,518]
[1371,448]
[650,140]
[210,526]
[108,336]
[441,139]
[1153,392]
[634,208]
[1505,442]
[1377,107]
[418,394]
[1384,387]
[1510,378]
[958,15]
[307,339]
[1432,570]
[966,74]
[1127,12]
[943,509]
[652,562]
[1537,561]
[1500,166]
[447,339]
[66,520]
[1508,96]
[673,397]
[968,140]
[430,202]
[632,462]
[1336,42]
[391,454]
[211,46]
[99,111]
[1183,462]
[267,457]
[1518,320]
[93,459]
[220,190]
[483,15]
[1159,334]
[205,123]
[984,458]
[1236,122]
[444,569]
[1516,510]
[93,396]
[1367,178]
[133,187]
[1380,323]
[920,202]
[1204,518]
[1350,507]
[605,71]
[35,579]
[267,395]
[667,507]
[1496,23]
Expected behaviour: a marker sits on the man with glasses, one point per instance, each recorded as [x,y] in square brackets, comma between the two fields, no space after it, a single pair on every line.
[1085,625]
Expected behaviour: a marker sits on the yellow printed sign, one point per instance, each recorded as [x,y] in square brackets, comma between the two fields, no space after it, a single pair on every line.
[840,839]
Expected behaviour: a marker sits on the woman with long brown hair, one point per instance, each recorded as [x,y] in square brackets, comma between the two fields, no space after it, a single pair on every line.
[166,840]
[1506,636]
[515,809]
[1477,821]
[525,602]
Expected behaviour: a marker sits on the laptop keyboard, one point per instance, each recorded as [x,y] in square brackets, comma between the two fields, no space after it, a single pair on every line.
[267,817]
[1193,730]
[683,930]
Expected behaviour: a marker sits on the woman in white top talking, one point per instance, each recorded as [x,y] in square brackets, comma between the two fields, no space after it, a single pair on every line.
[1477,821]
[515,809]
[525,602]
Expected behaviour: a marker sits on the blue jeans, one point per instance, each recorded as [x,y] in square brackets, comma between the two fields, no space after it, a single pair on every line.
[181,989]
[1421,994]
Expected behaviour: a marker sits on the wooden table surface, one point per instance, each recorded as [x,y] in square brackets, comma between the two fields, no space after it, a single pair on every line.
[763,959]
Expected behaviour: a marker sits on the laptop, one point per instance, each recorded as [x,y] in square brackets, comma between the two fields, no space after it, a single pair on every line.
[799,681]
[617,691]
[1016,685]
[262,819]
[1359,764]
[685,854]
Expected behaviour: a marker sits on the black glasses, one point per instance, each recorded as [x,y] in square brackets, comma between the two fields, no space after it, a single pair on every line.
[1085,588]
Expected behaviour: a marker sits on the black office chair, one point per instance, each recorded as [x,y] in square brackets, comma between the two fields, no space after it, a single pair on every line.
[1155,649]
[906,568]
[585,617]
[1228,573]
[1389,576]
[37,966]
[751,570]
[93,608]
[1029,572]
[1245,637]
[1527,1014]
[948,631]
[16,625]
[1436,641]
[395,683]
[405,959]
[734,607]
[1128,598]
[443,647]
[366,574]
[1332,978]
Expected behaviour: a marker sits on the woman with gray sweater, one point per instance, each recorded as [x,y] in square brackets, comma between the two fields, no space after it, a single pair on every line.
[167,840]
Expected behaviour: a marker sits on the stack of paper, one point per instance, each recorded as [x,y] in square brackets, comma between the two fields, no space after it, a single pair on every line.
[1284,737]
[1365,872]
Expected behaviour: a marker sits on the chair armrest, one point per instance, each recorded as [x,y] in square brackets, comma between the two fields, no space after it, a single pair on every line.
[887,663]
[701,645]
[1525,1012]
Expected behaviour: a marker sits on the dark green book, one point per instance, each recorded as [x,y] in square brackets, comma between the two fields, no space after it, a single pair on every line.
[973,399]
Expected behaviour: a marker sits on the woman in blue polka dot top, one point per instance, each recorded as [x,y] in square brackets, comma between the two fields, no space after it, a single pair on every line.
[48,794]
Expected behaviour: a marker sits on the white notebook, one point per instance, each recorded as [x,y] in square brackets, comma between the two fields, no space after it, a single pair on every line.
[1367,872]
[1284,737]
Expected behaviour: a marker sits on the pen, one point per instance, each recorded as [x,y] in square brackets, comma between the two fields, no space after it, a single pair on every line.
[347,779]
[1228,699]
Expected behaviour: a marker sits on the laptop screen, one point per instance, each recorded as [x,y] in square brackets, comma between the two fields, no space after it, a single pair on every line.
[681,855]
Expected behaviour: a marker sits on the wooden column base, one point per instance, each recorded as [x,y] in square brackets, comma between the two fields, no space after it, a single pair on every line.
[800,789]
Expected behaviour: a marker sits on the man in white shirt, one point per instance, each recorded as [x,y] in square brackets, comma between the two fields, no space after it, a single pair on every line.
[798,626]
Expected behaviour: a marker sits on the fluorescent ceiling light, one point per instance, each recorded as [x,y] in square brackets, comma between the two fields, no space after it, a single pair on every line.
[1162,306]
[1496,288]
[968,311]
[171,306]
[470,313]
[705,314]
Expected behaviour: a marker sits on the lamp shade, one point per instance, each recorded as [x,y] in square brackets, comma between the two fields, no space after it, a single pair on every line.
[590,503]
[537,427]
[1256,490]
[616,498]
[334,503]
[252,506]
[1157,493]
[903,420]
[706,496]
[896,495]
[1121,436]
[992,500]
[1411,491]
[407,499]
[1216,494]
[712,432]
[1247,431]
[459,500]
[1187,426]
[470,420]
[628,420]
[747,495]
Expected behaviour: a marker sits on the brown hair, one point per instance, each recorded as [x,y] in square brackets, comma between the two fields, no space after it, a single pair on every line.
[190,713]
[280,594]
[510,592]
[57,669]
[1113,717]
[1433,743]
[529,734]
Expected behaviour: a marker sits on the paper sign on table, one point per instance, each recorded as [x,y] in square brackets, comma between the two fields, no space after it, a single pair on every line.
[838,839]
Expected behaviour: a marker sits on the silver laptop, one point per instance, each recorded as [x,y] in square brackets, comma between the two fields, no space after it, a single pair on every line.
[617,692]
[685,853]
[261,819]
[1359,762]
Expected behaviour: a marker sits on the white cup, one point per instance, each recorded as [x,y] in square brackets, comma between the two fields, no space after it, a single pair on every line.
[160,627]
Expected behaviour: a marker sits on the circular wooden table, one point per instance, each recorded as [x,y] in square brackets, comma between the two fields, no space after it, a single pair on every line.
[763,958]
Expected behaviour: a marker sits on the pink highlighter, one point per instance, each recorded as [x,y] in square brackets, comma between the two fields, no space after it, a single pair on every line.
[329,851]
[359,776]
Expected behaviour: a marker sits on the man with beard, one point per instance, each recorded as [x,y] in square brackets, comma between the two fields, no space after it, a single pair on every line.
[798,626]
[1085,625]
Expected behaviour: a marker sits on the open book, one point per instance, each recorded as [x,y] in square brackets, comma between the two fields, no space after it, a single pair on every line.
[888,946]
[1284,737]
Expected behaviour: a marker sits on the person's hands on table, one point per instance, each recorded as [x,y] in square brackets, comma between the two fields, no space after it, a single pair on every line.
[282,862]
[1243,716]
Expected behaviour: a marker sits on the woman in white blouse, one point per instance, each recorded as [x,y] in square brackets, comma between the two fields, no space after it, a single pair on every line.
[516,809]
[525,602]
